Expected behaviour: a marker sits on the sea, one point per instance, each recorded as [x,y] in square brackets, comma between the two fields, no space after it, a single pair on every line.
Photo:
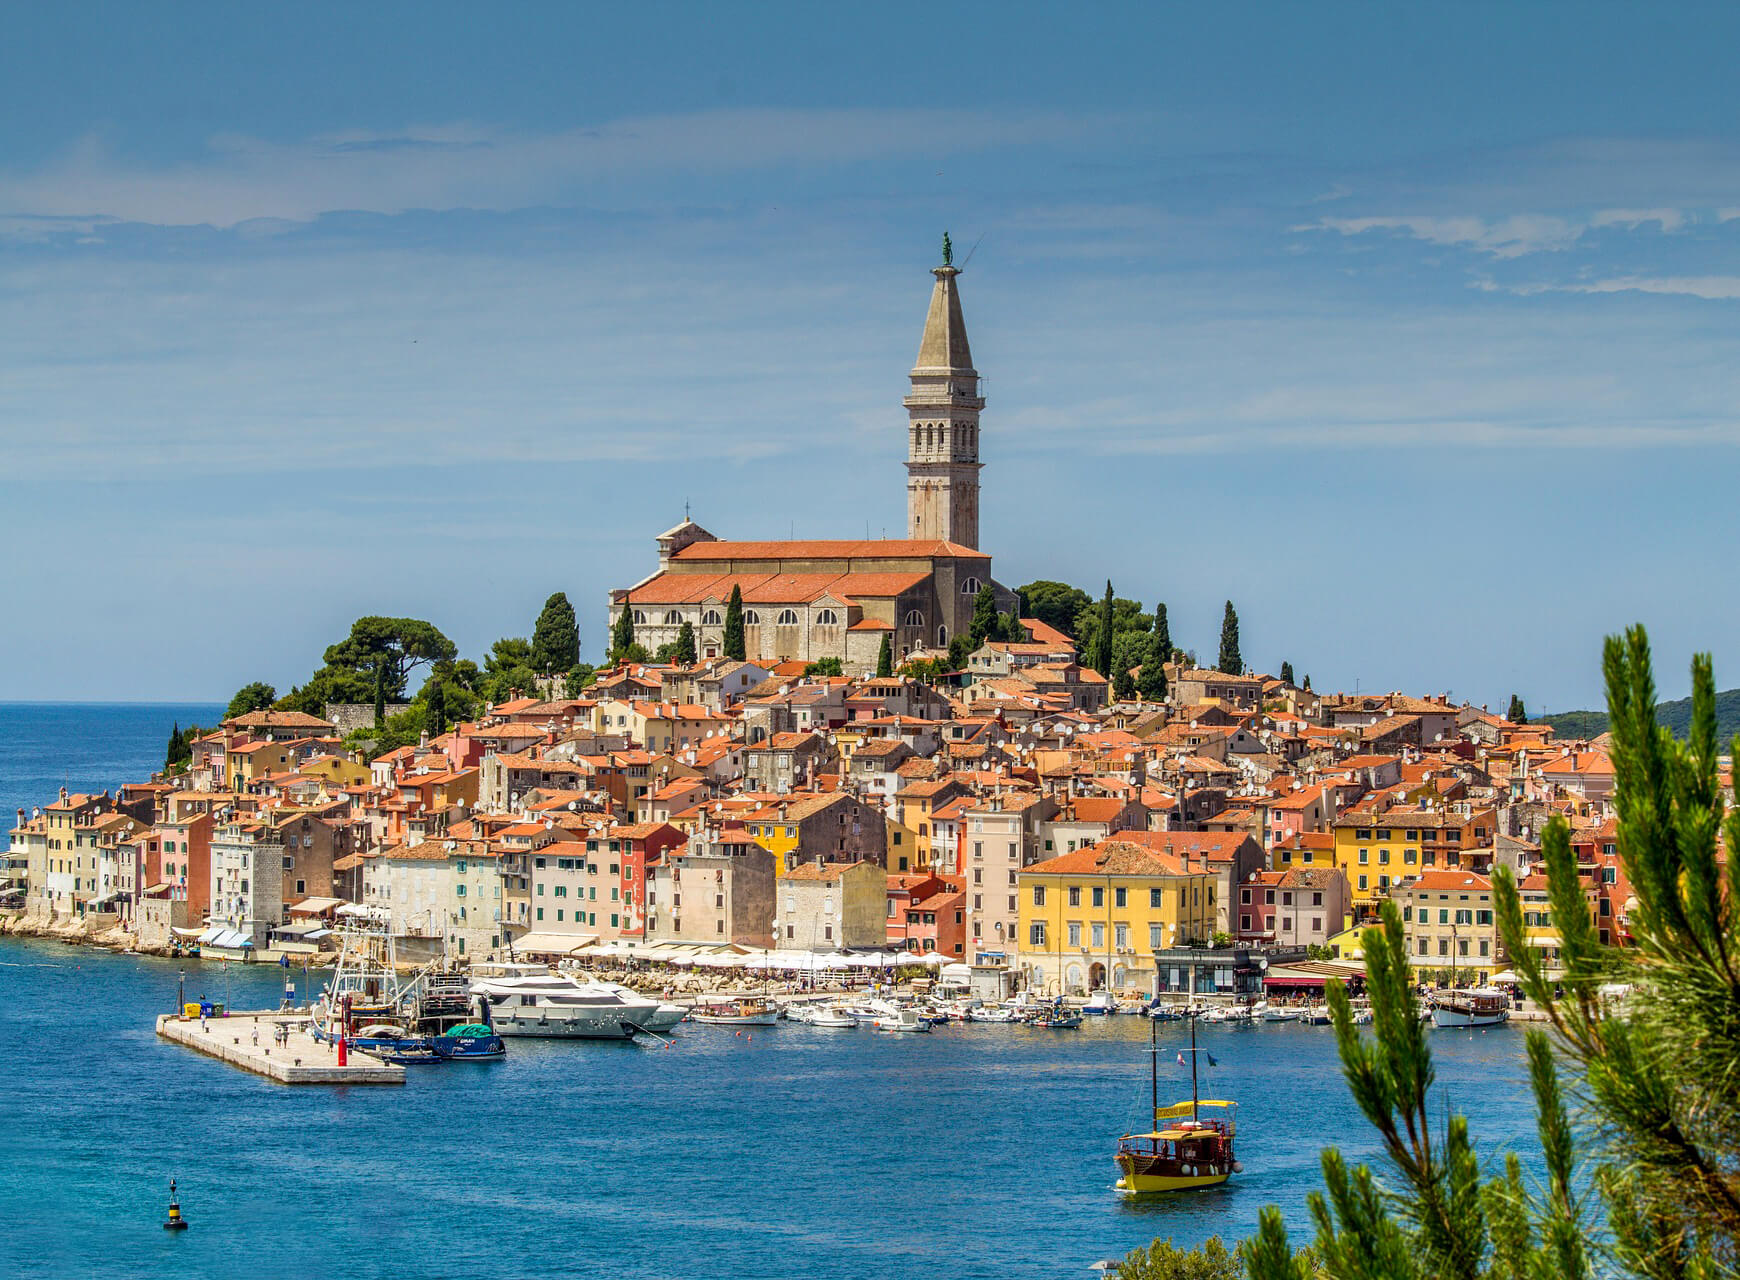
[976,1151]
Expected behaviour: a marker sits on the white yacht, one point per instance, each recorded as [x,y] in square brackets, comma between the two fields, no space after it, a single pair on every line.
[533,1000]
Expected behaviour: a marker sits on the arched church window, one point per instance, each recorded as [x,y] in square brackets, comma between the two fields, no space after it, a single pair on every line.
[751,618]
[711,618]
[788,618]
[971,587]
[673,618]
[827,618]
[639,617]
[942,634]
[914,618]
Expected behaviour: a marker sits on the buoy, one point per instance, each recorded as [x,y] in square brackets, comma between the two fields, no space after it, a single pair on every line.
[174,1222]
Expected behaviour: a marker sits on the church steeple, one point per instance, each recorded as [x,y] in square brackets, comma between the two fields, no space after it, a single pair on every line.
[942,466]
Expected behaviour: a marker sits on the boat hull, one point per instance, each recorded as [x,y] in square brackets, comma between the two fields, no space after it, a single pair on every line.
[559,1028]
[1145,1184]
[1461,1018]
[736,1020]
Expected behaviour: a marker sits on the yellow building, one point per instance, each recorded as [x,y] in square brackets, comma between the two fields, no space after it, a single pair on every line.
[1447,917]
[1378,850]
[1095,917]
[341,771]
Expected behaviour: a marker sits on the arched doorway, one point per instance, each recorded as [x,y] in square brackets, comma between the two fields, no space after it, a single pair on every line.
[1096,976]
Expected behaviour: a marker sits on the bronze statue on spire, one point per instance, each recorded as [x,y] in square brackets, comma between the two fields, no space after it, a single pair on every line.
[948,251]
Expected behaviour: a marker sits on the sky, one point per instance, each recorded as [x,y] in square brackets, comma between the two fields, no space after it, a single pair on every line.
[1410,330]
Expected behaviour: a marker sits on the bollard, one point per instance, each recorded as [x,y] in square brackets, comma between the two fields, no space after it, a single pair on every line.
[343,1055]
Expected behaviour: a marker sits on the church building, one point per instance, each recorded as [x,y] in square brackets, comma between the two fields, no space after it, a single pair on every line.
[808,600]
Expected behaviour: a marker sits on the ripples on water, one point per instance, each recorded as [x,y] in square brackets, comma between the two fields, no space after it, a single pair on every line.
[977,1151]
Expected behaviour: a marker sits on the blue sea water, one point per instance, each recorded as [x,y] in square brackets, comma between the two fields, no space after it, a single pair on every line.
[84,746]
[977,1151]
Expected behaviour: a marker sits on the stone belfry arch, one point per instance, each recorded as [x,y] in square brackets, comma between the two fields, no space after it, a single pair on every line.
[942,459]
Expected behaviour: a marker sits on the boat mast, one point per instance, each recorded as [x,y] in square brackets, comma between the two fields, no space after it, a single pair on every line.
[1154,1067]
[1193,1102]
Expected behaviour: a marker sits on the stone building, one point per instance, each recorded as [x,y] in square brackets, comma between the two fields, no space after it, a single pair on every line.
[809,600]
[826,906]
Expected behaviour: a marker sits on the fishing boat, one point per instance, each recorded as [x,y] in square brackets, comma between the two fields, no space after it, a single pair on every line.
[736,1013]
[1184,1151]
[1167,1012]
[1101,1002]
[1478,1007]
[1055,1017]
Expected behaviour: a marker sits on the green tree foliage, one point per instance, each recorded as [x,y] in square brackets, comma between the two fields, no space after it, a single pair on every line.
[686,653]
[1105,634]
[1307,685]
[456,688]
[509,667]
[735,645]
[885,657]
[257,696]
[925,669]
[380,695]
[1123,685]
[1518,714]
[1211,1260]
[180,749]
[1162,632]
[435,714]
[960,649]
[987,622]
[1056,604]
[825,667]
[555,637]
[1128,621]
[329,684]
[622,635]
[1230,661]
[580,678]
[397,645]
[1151,684]
[1655,1076]
[1286,672]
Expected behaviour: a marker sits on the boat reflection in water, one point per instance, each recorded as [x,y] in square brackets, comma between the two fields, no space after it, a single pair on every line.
[1185,1151]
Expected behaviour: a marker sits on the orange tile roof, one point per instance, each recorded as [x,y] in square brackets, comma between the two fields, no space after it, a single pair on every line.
[875,549]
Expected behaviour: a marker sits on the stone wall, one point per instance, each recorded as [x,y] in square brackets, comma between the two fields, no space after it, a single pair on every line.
[351,716]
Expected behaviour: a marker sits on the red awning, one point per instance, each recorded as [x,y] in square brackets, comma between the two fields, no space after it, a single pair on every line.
[1294,982]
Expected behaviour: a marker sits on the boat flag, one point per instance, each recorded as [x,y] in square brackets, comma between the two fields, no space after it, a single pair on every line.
[1210,1057]
[1181,1058]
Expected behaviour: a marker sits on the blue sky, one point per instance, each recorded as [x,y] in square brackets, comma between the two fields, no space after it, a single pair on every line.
[1411,331]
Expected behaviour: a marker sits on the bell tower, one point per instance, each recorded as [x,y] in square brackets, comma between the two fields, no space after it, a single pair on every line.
[942,458]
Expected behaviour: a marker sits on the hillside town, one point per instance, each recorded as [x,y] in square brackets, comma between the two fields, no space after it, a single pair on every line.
[1009,815]
[836,748]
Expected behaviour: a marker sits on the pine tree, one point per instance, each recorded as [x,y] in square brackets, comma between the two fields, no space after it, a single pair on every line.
[986,624]
[1162,633]
[685,651]
[1101,660]
[555,637]
[1656,1074]
[1286,673]
[885,658]
[622,634]
[1230,661]
[736,647]
[1518,713]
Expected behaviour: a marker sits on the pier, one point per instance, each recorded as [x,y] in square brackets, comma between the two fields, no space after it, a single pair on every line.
[301,1060]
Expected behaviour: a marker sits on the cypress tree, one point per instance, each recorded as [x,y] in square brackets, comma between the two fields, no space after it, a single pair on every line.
[685,651]
[1518,713]
[555,637]
[1162,633]
[736,647]
[1230,661]
[885,658]
[1286,673]
[380,696]
[1151,684]
[1307,685]
[172,756]
[622,634]
[437,713]
[1102,655]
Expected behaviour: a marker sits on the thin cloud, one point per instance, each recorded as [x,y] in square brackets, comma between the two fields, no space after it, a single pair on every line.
[457,166]
[1512,236]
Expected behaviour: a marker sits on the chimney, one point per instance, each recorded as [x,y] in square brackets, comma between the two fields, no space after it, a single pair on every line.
[63,795]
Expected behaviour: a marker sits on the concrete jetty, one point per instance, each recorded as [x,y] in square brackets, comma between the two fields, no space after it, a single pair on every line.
[303,1060]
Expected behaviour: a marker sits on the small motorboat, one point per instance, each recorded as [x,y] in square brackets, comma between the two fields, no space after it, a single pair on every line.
[1167,1012]
[817,1015]
[1055,1017]
[901,1020]
[1101,1002]
[1280,1013]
